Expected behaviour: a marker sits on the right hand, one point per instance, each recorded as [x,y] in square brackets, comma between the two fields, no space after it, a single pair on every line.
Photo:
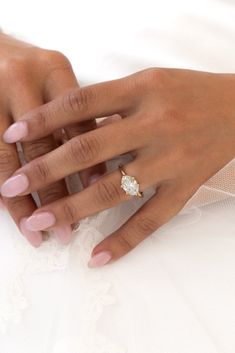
[31,76]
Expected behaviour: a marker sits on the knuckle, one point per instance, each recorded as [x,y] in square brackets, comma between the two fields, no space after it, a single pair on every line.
[150,80]
[137,232]
[53,58]
[54,61]
[155,77]
[52,193]
[41,117]
[7,159]
[37,148]
[41,170]
[125,243]
[107,193]
[145,226]
[16,203]
[84,149]
[71,102]
[70,212]
[78,100]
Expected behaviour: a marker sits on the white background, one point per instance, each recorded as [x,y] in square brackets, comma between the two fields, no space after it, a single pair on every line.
[106,39]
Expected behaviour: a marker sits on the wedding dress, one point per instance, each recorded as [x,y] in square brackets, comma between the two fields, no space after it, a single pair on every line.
[175,292]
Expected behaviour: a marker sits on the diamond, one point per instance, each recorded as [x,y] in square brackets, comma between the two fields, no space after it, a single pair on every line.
[129,185]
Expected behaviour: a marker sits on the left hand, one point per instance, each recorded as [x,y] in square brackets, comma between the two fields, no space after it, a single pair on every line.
[180,124]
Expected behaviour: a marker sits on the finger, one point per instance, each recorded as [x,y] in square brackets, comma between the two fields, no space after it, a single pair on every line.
[102,99]
[103,194]
[37,148]
[58,84]
[93,173]
[150,217]
[77,154]
[19,207]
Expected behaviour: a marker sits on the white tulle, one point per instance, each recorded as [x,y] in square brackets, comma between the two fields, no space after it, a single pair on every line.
[175,292]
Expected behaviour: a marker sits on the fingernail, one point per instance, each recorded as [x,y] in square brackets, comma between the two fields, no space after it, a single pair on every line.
[100,259]
[15,185]
[94,178]
[16,132]
[35,238]
[63,234]
[40,221]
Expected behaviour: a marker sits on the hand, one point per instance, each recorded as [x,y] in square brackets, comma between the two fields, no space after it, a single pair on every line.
[30,77]
[179,124]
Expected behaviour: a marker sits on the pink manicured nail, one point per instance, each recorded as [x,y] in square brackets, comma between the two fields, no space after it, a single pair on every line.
[16,132]
[100,259]
[35,238]
[63,234]
[94,178]
[15,185]
[40,221]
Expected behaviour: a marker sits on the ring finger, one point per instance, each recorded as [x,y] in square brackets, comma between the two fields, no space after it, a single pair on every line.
[103,194]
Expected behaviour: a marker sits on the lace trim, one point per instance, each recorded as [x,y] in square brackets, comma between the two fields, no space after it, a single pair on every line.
[13,301]
[52,257]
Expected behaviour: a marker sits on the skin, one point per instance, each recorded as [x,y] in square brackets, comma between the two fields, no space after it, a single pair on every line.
[31,77]
[179,126]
